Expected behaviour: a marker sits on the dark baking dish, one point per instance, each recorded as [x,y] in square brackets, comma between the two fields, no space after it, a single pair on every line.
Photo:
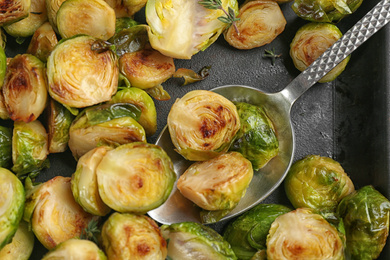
[347,119]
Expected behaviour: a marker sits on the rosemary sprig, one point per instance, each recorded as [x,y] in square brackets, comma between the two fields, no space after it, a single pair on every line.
[230,17]
[271,54]
[91,231]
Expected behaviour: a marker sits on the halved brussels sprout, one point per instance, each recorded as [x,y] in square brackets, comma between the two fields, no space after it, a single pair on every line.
[6,147]
[202,124]
[302,234]
[84,182]
[146,68]
[190,240]
[3,38]
[92,17]
[217,184]
[3,65]
[261,21]
[325,10]
[138,97]
[312,40]
[181,29]
[80,77]
[257,139]
[11,205]
[27,26]
[248,233]
[59,120]
[129,236]
[108,124]
[366,215]
[135,177]
[13,11]
[75,249]
[52,7]
[29,148]
[3,110]
[318,183]
[42,42]
[25,88]
[126,8]
[21,246]
[53,213]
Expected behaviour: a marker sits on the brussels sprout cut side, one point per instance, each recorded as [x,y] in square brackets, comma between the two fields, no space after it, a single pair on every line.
[75,249]
[21,246]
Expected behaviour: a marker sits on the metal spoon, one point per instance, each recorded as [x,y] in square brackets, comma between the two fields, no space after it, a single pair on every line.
[278,106]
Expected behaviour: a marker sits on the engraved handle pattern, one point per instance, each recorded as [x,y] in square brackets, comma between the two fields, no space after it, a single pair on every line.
[359,33]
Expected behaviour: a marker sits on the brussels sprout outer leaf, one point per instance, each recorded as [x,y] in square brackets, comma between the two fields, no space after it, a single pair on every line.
[3,65]
[6,147]
[248,233]
[366,219]
[124,23]
[104,113]
[203,239]
[130,39]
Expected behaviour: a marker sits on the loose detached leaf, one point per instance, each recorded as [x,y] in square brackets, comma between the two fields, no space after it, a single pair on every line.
[191,76]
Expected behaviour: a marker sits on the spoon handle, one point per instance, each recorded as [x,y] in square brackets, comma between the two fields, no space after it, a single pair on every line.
[352,39]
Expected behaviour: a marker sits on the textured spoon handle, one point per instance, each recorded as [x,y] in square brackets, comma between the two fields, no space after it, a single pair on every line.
[352,39]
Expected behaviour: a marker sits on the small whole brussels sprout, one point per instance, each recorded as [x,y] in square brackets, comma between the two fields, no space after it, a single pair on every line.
[21,246]
[25,88]
[248,233]
[216,185]
[302,234]
[91,17]
[261,21]
[202,125]
[135,177]
[318,183]
[325,10]
[11,205]
[13,11]
[84,182]
[310,42]
[53,213]
[6,147]
[190,240]
[180,30]
[366,214]
[42,42]
[75,249]
[129,236]
[256,139]
[106,124]
[80,77]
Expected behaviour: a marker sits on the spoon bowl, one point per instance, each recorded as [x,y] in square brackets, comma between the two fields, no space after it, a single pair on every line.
[278,107]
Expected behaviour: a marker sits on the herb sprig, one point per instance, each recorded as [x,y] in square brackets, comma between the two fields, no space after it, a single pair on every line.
[271,54]
[230,17]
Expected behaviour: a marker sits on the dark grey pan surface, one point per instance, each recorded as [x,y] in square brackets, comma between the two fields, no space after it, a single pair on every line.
[347,119]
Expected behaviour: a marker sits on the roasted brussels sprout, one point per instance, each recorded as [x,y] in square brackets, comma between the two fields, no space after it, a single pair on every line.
[13,11]
[248,233]
[192,26]
[59,120]
[135,177]
[27,26]
[190,240]
[53,213]
[108,124]
[126,8]
[6,147]
[318,183]
[312,40]
[261,21]
[146,68]
[302,234]
[75,249]
[3,38]
[3,65]
[365,215]
[138,97]
[42,42]
[11,205]
[52,7]
[217,184]
[25,88]
[84,182]
[325,10]
[129,236]
[29,148]
[202,124]
[92,17]
[21,246]
[123,23]
[257,139]
[3,110]
[79,77]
